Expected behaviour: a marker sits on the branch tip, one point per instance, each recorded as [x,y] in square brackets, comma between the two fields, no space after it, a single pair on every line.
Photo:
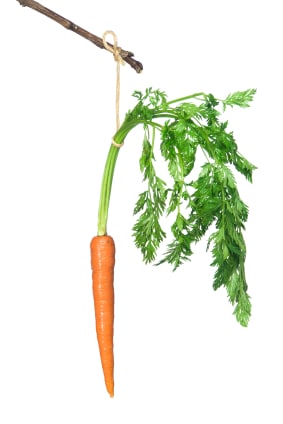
[127,56]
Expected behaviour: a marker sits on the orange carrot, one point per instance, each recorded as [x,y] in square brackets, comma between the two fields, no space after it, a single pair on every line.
[102,264]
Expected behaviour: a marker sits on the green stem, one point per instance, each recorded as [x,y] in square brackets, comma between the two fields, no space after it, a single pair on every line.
[105,190]
[164,115]
[107,179]
[192,96]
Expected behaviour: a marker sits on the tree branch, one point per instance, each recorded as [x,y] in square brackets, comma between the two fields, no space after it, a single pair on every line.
[126,55]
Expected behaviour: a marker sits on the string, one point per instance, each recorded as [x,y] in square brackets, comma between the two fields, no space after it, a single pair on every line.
[119,61]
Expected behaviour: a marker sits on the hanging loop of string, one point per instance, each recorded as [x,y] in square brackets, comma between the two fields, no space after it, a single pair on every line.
[119,61]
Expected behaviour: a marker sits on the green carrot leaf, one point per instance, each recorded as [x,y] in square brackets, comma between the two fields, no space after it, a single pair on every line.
[240,98]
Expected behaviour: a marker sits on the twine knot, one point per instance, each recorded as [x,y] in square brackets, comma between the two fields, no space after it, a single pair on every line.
[113,49]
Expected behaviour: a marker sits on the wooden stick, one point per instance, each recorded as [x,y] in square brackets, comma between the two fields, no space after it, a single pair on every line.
[127,56]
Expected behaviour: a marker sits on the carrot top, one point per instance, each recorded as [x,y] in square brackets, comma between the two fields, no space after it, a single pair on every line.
[189,126]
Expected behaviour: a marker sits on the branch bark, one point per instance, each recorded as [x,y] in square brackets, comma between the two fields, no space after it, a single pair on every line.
[127,56]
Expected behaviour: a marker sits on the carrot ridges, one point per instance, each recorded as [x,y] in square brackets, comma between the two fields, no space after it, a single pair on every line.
[102,264]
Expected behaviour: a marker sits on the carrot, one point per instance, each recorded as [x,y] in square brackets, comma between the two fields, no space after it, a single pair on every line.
[102,263]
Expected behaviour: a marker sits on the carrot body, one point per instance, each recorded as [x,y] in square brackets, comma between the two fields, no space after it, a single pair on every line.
[102,263]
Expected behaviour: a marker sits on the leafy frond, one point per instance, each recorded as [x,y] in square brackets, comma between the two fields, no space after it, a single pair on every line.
[187,126]
[240,98]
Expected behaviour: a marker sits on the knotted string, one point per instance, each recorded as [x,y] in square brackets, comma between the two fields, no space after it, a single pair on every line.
[119,61]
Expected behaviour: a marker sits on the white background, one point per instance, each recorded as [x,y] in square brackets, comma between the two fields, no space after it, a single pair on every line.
[180,355]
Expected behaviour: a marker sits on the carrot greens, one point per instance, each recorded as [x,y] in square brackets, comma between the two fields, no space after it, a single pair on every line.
[211,201]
